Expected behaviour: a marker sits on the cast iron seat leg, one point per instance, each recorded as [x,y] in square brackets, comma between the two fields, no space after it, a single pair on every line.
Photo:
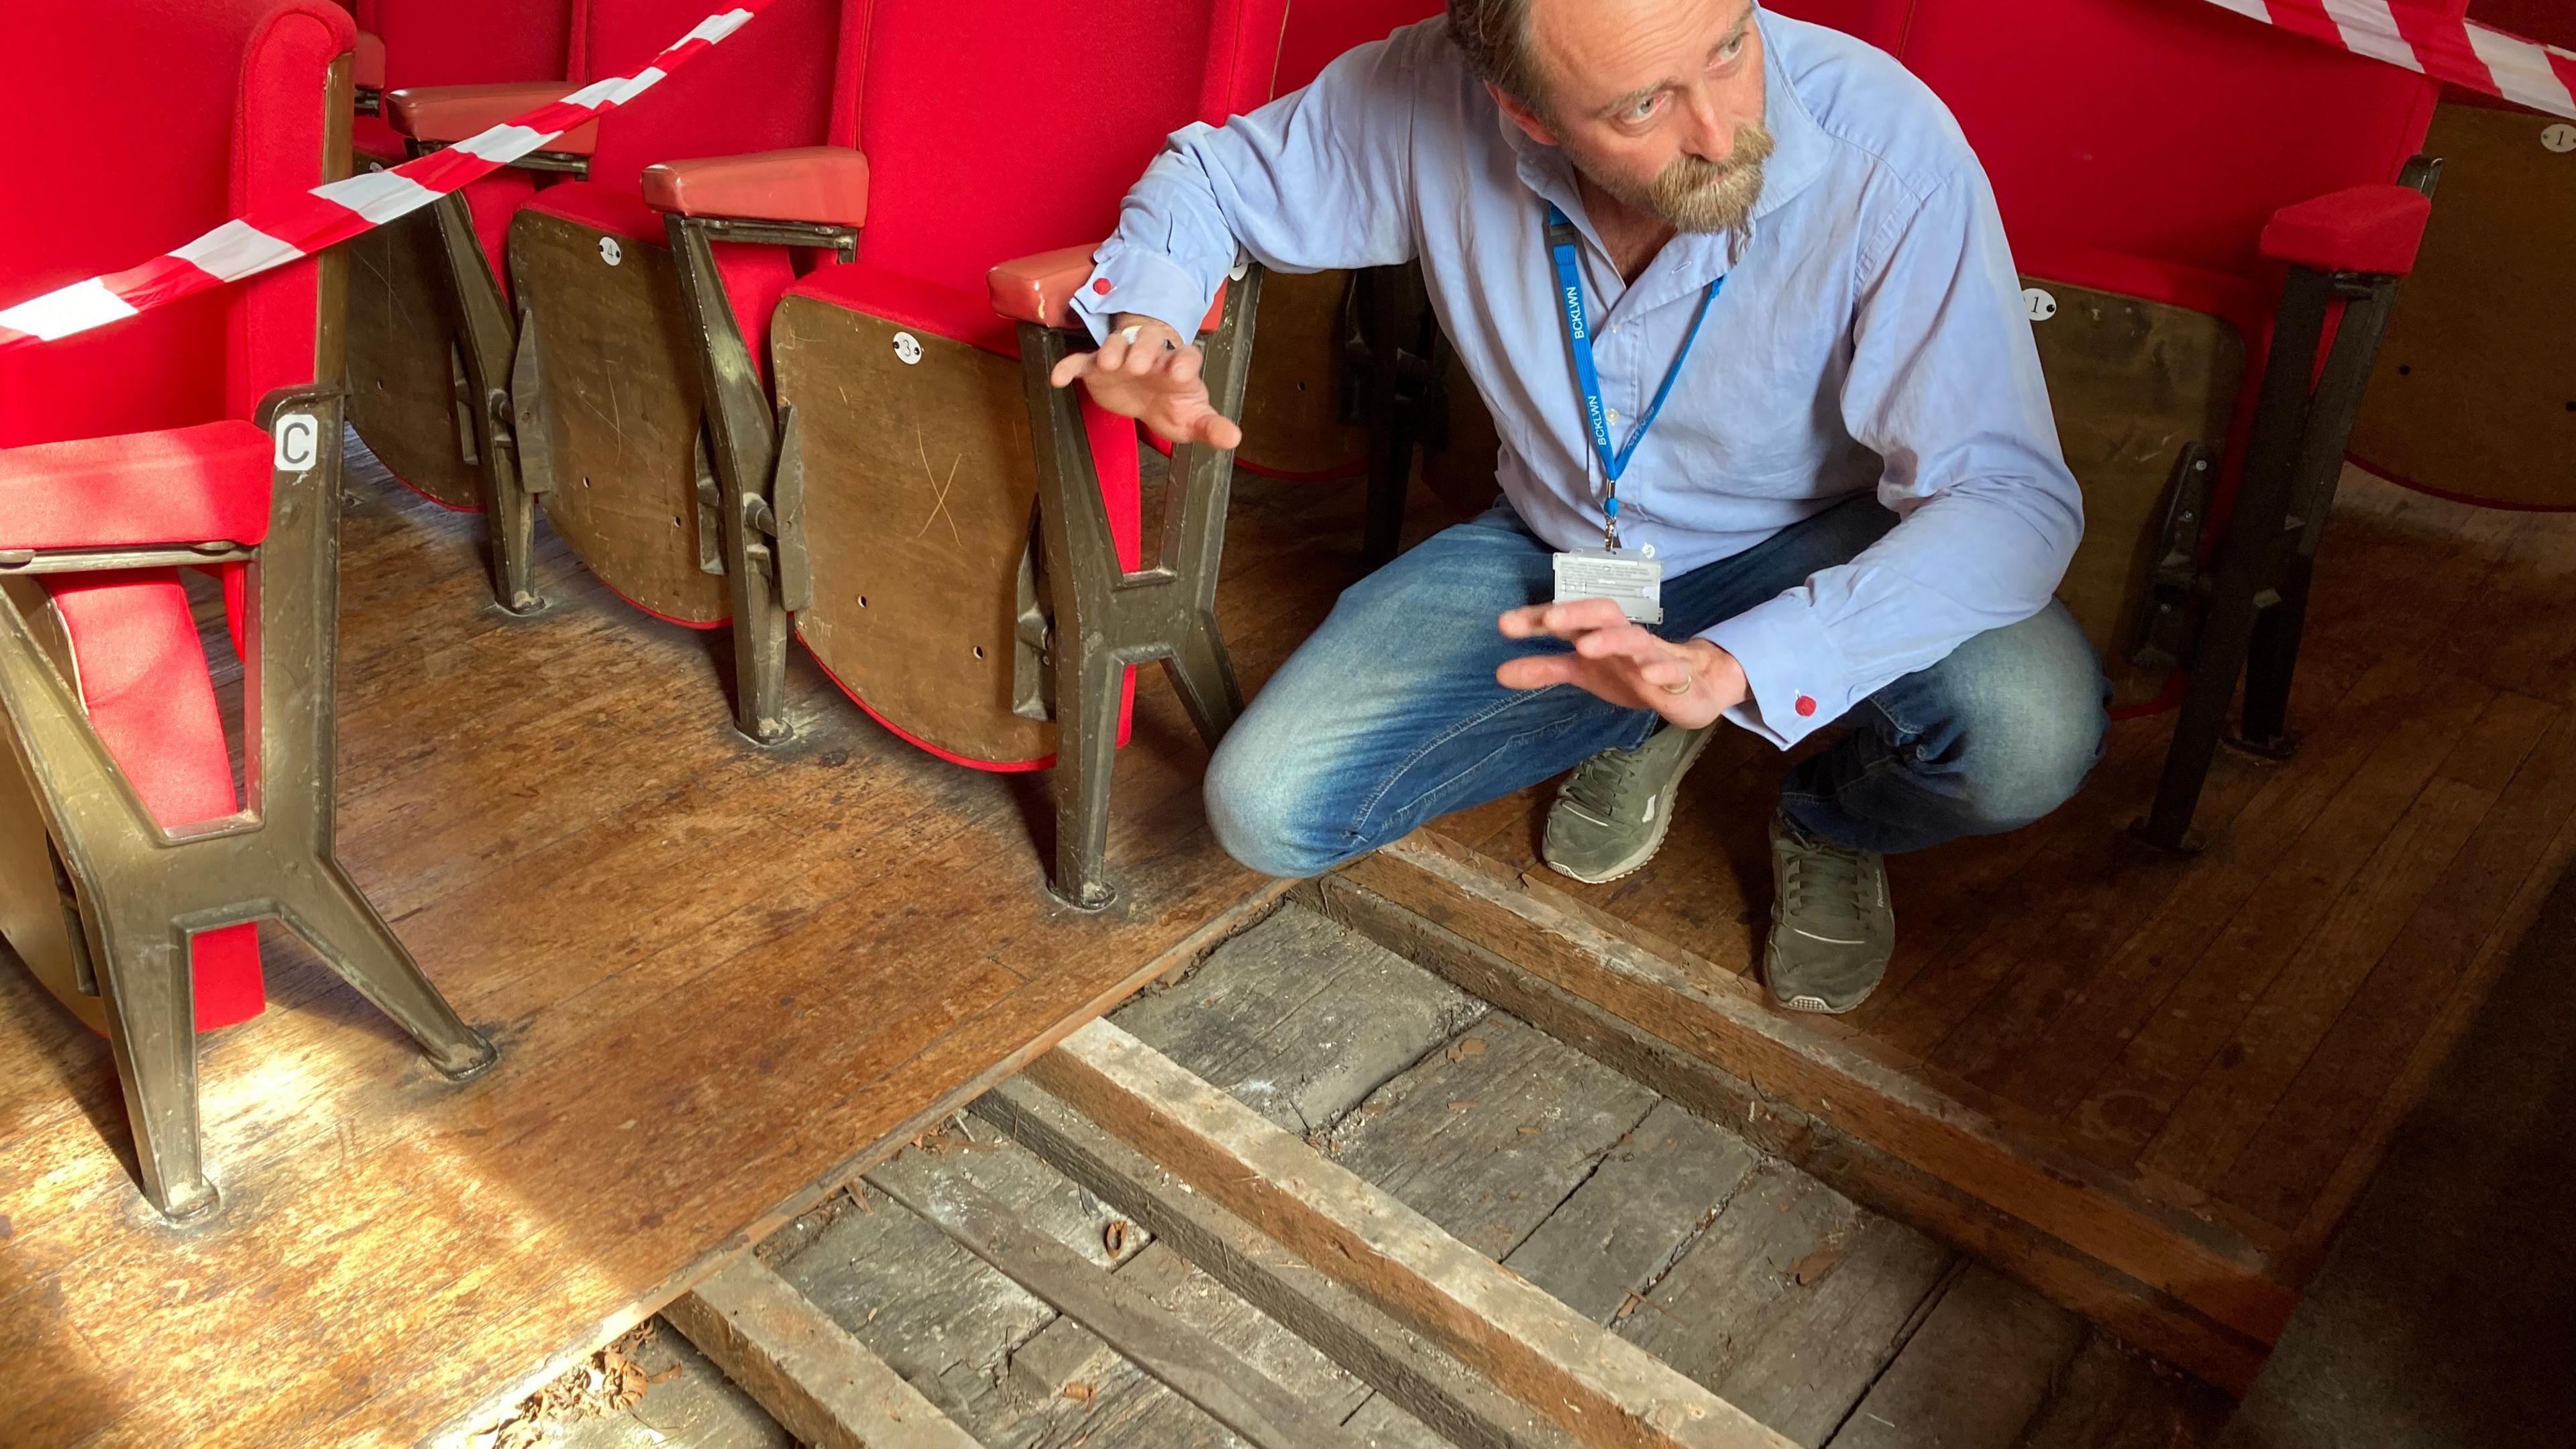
[746,457]
[146,891]
[1393,310]
[2258,610]
[489,340]
[1105,618]
[2273,653]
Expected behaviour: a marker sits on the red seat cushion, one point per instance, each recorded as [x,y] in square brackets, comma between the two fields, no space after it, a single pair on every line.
[2360,229]
[142,676]
[186,485]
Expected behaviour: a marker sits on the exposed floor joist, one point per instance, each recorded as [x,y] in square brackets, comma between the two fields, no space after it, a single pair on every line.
[1605,1391]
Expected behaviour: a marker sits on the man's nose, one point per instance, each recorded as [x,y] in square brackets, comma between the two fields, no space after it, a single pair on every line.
[1711,135]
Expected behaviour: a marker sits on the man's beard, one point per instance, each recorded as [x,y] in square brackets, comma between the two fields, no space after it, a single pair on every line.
[1692,193]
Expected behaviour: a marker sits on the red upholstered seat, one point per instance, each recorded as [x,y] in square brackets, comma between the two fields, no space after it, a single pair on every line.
[186,485]
[2361,229]
[929,306]
[142,431]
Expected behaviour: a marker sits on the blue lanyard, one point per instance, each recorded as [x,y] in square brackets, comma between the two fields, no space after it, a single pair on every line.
[1563,241]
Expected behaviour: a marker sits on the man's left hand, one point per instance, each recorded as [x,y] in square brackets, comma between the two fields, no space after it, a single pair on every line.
[1690,683]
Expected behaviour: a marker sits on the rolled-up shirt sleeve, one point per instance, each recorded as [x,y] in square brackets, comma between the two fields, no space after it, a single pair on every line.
[1944,384]
[1314,180]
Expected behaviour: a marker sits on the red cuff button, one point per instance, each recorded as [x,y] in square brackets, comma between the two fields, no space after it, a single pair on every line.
[1101,287]
[1806,705]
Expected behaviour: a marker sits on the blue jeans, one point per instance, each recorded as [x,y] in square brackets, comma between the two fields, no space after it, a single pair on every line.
[1389,715]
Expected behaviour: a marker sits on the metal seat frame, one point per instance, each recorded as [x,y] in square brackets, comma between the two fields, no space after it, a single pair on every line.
[136,892]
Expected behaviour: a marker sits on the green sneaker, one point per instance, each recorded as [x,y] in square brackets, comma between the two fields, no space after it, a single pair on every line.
[1611,813]
[1832,927]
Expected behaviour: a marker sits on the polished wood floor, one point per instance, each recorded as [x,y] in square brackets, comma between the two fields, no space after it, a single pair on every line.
[719,976]
[2234,1036]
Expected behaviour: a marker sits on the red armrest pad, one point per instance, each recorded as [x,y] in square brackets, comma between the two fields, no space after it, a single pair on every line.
[185,485]
[367,71]
[453,113]
[1040,288]
[2364,229]
[825,185]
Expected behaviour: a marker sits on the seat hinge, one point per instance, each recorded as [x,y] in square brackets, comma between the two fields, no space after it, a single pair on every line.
[781,518]
[528,410]
[461,397]
[710,495]
[2178,583]
[75,929]
[1033,629]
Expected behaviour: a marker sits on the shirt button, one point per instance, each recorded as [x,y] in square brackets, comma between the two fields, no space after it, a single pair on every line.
[1806,705]
[1101,287]
[1614,415]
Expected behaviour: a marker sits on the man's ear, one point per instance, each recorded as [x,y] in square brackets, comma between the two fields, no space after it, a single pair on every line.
[1522,116]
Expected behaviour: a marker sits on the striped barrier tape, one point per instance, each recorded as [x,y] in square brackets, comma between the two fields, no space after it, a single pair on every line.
[334,212]
[2460,51]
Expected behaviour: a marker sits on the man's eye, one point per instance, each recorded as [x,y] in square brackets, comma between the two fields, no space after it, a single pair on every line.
[1642,110]
[1731,49]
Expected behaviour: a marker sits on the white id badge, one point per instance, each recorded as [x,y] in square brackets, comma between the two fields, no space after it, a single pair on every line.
[1635,584]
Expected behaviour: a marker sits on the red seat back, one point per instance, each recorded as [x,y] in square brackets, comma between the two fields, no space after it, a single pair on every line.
[2163,129]
[768,86]
[1320,30]
[1880,22]
[101,175]
[469,42]
[971,159]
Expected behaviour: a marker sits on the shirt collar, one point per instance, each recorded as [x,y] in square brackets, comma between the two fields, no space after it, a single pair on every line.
[1689,263]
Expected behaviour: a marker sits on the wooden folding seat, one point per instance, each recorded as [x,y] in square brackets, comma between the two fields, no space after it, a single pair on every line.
[596,411]
[2475,393]
[895,509]
[408,393]
[2206,216]
[202,435]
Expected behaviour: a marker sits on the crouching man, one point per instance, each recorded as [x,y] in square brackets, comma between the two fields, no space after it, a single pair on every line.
[1736,292]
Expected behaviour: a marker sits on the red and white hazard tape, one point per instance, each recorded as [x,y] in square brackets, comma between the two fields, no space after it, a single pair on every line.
[2462,52]
[335,212]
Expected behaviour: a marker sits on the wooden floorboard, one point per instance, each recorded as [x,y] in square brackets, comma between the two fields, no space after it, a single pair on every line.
[722,979]
[2229,1037]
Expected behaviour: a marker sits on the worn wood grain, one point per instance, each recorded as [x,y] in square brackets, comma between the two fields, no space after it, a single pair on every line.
[1973,1376]
[806,1370]
[1486,1137]
[702,1033]
[1300,1019]
[1320,1308]
[2092,1211]
[1533,1346]
[1858,1168]
[1156,1340]
[1791,1303]
[1661,1185]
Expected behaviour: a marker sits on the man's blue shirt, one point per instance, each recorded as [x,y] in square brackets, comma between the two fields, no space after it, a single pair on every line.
[1871,334]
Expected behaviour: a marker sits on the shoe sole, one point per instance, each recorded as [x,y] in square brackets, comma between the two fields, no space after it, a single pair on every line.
[1663,824]
[1811,1005]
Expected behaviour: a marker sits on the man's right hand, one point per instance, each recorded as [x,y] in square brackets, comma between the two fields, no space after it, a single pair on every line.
[1155,380]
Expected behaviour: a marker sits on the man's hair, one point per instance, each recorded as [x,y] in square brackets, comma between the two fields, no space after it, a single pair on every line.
[1494,34]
